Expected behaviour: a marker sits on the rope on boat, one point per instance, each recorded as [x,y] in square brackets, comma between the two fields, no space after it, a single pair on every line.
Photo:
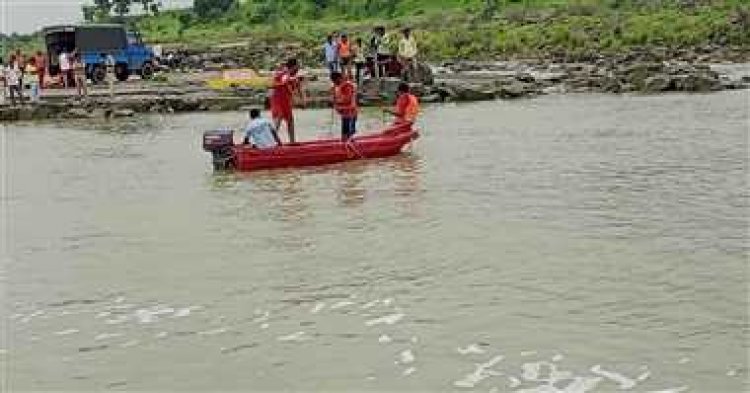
[350,145]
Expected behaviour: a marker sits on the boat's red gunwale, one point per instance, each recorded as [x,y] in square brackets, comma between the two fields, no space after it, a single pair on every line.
[386,143]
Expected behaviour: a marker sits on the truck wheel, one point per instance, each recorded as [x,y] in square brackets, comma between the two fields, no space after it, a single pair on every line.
[147,71]
[98,74]
[121,72]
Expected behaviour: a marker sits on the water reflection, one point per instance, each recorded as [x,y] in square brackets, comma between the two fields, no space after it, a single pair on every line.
[408,173]
[351,192]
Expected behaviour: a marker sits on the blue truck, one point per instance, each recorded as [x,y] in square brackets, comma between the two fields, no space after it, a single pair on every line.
[91,41]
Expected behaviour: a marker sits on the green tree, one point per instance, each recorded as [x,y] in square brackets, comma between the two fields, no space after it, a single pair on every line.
[104,9]
[212,8]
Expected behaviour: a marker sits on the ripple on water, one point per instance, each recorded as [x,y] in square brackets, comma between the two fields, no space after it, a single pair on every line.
[493,372]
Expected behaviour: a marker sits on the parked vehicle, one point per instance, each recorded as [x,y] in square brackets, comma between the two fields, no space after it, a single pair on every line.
[92,40]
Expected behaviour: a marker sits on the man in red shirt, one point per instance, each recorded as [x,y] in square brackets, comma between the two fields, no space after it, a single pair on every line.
[285,84]
[41,67]
[345,103]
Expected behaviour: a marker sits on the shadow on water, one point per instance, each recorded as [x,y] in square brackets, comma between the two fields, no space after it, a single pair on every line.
[287,191]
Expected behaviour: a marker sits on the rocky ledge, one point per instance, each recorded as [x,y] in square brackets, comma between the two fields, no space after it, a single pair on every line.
[458,82]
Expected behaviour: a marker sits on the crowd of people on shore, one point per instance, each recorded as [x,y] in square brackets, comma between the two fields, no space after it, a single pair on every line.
[26,76]
[383,55]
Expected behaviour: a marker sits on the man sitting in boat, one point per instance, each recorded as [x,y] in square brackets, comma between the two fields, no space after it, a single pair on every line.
[345,103]
[407,105]
[260,132]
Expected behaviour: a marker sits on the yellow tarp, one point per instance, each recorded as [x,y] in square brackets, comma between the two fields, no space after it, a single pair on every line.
[239,78]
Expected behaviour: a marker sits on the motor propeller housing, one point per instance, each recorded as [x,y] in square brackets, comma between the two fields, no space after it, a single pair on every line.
[220,144]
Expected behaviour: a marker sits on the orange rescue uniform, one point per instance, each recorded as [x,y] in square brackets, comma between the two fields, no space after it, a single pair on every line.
[407,108]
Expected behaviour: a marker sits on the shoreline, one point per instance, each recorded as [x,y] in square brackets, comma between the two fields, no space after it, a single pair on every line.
[463,81]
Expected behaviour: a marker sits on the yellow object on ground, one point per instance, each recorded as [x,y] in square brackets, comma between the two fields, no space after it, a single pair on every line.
[239,78]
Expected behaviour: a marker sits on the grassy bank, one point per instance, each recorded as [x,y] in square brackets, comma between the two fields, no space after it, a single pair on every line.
[462,29]
[474,29]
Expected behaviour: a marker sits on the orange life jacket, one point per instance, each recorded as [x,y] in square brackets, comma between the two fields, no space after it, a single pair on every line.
[345,49]
[346,91]
[412,111]
[408,112]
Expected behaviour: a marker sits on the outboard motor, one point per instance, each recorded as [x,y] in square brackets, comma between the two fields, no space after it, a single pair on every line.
[219,143]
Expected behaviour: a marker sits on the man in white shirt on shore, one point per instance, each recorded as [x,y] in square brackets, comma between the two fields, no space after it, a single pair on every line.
[64,62]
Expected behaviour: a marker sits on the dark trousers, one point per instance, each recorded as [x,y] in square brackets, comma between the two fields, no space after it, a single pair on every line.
[358,68]
[348,127]
[13,91]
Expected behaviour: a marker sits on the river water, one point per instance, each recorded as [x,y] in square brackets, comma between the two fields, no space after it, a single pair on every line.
[567,243]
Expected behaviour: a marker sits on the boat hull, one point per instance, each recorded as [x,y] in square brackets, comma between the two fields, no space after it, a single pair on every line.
[387,143]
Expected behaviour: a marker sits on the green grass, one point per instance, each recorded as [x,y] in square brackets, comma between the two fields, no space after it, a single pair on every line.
[471,29]
[465,29]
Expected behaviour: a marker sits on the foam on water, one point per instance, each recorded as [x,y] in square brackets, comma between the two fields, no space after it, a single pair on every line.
[318,307]
[480,373]
[182,312]
[213,332]
[106,336]
[530,376]
[129,344]
[406,357]
[386,320]
[342,304]
[66,332]
[671,390]
[298,336]
[471,349]
[624,382]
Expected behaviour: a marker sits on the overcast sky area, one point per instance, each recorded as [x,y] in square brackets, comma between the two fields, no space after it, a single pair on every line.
[27,16]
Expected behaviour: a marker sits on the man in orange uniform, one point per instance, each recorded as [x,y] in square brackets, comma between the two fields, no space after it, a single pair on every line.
[407,105]
[345,103]
[285,84]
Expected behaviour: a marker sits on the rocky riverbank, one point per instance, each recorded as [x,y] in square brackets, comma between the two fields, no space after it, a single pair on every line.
[448,82]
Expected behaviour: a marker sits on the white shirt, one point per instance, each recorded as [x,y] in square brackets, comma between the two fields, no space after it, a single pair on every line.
[407,47]
[13,75]
[64,62]
[260,133]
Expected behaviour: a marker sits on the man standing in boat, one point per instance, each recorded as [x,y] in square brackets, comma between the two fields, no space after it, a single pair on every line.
[345,103]
[285,84]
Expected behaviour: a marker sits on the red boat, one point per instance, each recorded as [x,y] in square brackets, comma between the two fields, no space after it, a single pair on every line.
[227,155]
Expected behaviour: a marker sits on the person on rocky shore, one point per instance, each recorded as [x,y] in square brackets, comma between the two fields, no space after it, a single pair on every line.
[79,73]
[359,60]
[40,61]
[345,103]
[109,67]
[64,64]
[3,71]
[407,54]
[331,54]
[13,80]
[346,57]
[286,83]
[378,52]
[32,73]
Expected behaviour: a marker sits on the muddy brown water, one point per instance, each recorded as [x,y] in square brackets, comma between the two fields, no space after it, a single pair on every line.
[567,243]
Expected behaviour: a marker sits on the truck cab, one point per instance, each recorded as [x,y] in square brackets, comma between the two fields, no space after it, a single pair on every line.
[92,41]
